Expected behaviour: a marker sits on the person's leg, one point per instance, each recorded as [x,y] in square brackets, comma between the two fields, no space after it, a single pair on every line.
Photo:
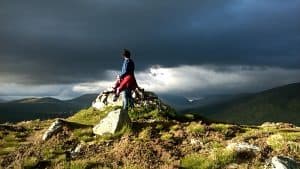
[125,99]
[131,100]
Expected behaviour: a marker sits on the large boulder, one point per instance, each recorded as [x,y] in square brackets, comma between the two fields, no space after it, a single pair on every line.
[113,122]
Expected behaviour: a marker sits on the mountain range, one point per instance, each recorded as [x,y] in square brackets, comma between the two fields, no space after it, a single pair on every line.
[277,104]
[42,108]
[182,103]
[280,104]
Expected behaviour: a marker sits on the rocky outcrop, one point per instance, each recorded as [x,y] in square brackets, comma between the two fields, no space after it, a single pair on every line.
[58,125]
[280,162]
[113,122]
[278,125]
[55,127]
[106,98]
[141,99]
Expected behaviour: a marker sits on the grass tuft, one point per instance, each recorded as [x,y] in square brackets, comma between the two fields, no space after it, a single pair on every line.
[90,116]
[218,158]
[281,141]
[145,134]
[195,128]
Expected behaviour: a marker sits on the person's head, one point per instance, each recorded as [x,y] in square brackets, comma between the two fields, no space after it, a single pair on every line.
[126,53]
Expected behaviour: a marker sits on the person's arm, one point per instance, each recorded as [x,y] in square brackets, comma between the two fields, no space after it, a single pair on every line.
[124,70]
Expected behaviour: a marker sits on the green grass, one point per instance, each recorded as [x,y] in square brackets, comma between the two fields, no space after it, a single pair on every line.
[174,127]
[126,129]
[195,128]
[145,134]
[218,158]
[90,116]
[167,136]
[159,127]
[30,162]
[223,128]
[281,141]
[11,140]
[151,113]
[215,144]
[84,134]
[82,164]
[144,113]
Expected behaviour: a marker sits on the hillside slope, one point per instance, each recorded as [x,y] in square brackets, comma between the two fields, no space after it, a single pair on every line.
[281,104]
[42,108]
[83,101]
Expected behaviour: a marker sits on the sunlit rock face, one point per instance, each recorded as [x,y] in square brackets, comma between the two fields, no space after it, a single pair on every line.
[112,123]
[106,99]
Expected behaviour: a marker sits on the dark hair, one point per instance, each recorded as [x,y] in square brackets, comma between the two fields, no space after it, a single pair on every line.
[126,53]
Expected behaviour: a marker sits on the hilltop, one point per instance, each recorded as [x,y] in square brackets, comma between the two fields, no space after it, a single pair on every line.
[280,104]
[157,138]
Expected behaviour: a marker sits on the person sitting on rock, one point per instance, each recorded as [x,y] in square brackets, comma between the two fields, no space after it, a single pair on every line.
[126,80]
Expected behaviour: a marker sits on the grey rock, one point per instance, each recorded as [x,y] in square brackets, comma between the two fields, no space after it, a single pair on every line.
[113,122]
[278,125]
[54,128]
[141,99]
[77,150]
[280,162]
[195,141]
[243,147]
[106,98]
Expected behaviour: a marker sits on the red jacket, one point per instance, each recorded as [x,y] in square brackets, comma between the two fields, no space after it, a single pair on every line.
[128,82]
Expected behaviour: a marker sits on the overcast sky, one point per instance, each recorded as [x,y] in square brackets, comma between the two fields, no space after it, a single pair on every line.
[67,48]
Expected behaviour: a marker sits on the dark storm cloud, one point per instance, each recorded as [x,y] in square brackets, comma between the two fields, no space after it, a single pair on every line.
[76,41]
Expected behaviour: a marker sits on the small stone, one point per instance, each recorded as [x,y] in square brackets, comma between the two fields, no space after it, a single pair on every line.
[243,147]
[196,142]
[77,150]
[233,166]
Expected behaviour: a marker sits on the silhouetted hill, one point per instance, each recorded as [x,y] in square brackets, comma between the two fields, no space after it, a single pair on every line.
[42,108]
[48,100]
[83,101]
[182,104]
[277,104]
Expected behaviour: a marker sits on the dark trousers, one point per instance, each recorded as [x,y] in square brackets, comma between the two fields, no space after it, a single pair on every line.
[127,99]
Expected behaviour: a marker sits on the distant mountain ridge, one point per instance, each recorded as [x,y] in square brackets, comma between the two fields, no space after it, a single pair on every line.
[280,104]
[42,108]
[182,104]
